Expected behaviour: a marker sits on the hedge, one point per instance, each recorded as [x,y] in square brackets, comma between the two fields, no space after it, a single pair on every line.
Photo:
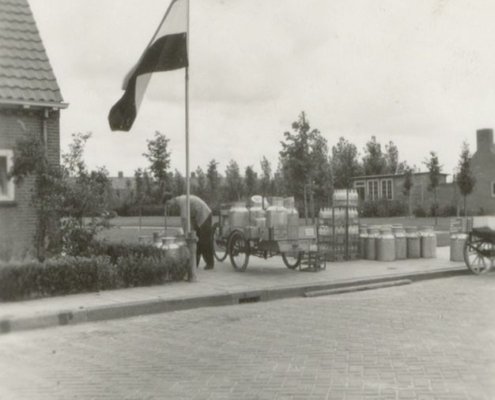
[69,275]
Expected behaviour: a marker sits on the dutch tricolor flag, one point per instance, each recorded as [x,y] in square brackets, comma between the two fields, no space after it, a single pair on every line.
[166,51]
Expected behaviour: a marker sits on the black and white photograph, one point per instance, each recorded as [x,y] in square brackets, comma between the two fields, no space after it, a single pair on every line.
[247,199]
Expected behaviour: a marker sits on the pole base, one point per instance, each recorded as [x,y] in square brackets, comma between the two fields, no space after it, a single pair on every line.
[191,241]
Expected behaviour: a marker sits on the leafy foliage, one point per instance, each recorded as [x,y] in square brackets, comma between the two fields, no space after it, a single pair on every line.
[158,156]
[234,186]
[304,161]
[374,161]
[465,179]
[345,164]
[70,191]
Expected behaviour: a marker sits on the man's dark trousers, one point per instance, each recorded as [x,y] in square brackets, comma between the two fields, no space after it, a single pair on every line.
[205,243]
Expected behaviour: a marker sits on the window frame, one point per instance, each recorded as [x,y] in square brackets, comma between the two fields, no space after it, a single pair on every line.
[387,189]
[373,189]
[10,196]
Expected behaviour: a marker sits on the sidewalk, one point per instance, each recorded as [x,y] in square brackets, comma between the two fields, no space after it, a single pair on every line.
[263,280]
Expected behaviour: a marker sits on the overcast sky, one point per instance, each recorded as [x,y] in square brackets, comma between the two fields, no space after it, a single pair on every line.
[420,73]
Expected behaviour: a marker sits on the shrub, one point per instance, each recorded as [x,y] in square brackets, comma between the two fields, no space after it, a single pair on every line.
[383,208]
[136,265]
[448,211]
[419,212]
[147,210]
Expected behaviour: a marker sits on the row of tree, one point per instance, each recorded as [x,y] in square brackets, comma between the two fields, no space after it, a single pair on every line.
[306,168]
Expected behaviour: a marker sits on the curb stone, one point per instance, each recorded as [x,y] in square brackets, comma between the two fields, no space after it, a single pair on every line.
[156,306]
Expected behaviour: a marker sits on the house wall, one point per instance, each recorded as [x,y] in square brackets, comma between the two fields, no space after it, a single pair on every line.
[483,167]
[18,218]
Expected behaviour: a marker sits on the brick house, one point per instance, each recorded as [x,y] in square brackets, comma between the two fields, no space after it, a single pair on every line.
[30,104]
[390,187]
[482,199]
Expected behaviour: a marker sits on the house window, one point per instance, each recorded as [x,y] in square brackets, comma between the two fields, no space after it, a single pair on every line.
[387,189]
[6,185]
[373,190]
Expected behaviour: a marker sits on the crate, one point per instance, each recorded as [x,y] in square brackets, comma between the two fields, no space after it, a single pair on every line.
[293,232]
[307,232]
[279,233]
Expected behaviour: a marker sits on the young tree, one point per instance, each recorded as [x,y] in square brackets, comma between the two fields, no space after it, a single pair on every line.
[391,158]
[233,182]
[407,187]
[179,183]
[213,181]
[250,181]
[345,164]
[434,171]
[201,186]
[465,178]
[304,154]
[266,177]
[374,161]
[158,156]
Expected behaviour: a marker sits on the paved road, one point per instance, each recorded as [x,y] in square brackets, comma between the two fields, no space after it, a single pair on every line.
[429,340]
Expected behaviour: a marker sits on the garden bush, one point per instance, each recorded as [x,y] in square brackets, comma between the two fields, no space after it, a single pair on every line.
[137,266]
[383,208]
[419,212]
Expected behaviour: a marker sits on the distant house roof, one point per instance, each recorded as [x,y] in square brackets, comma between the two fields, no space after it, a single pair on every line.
[383,176]
[26,76]
[121,182]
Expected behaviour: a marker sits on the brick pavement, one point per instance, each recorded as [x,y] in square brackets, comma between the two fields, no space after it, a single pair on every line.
[430,340]
[266,278]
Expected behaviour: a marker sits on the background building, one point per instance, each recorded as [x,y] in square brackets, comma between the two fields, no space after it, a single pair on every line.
[482,199]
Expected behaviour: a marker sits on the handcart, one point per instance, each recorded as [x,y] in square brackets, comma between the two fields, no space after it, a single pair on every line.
[239,243]
[479,249]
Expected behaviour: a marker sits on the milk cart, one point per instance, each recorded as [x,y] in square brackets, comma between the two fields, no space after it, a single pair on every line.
[239,243]
[479,249]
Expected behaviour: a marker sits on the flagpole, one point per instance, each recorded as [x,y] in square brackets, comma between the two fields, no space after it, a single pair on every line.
[190,236]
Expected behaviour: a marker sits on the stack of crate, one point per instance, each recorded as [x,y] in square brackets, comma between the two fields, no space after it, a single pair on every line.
[338,227]
[325,236]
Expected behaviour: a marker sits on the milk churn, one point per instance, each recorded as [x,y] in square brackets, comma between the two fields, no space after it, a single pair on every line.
[428,242]
[292,214]
[171,247]
[413,242]
[385,245]
[363,236]
[457,241]
[256,211]
[276,214]
[373,234]
[400,242]
[238,216]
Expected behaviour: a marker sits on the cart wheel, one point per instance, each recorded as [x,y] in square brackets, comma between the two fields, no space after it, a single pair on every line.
[476,255]
[238,251]
[292,261]
[219,243]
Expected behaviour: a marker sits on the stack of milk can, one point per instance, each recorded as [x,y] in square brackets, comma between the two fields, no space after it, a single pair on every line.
[393,242]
